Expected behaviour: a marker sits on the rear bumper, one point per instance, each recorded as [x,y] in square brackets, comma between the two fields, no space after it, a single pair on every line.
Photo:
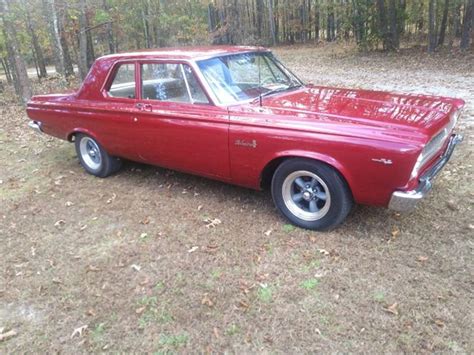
[403,201]
[36,125]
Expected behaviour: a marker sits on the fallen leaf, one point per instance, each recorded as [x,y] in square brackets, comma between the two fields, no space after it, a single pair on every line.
[83,227]
[92,268]
[323,251]
[452,205]
[59,223]
[91,313]
[145,221]
[392,309]
[206,300]
[211,248]
[8,335]
[211,223]
[395,232]
[193,249]
[199,207]
[69,204]
[110,200]
[140,310]
[243,304]
[136,267]
[268,232]
[78,331]
[439,323]
[422,258]
[216,332]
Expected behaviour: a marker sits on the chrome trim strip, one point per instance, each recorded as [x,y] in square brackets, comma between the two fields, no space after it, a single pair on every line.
[36,125]
[404,201]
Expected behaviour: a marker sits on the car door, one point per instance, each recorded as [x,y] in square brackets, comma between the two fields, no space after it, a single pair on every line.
[110,119]
[180,127]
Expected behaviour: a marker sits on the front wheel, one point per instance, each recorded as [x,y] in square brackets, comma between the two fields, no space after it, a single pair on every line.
[94,159]
[311,194]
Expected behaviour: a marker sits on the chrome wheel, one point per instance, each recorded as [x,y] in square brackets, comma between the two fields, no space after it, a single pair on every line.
[90,153]
[306,195]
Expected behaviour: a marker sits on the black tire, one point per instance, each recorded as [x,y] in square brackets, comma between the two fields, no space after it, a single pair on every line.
[99,163]
[328,208]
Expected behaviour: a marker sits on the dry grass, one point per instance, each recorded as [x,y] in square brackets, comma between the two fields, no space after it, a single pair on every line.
[131,258]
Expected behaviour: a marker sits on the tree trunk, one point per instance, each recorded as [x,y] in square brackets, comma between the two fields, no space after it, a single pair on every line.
[272,22]
[6,70]
[382,25]
[21,82]
[68,68]
[51,15]
[38,52]
[146,26]
[90,45]
[431,27]
[467,24]
[316,21]
[259,4]
[444,22]
[82,40]
[394,42]
[108,28]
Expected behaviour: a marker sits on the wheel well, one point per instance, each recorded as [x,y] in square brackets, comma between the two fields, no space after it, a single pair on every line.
[270,168]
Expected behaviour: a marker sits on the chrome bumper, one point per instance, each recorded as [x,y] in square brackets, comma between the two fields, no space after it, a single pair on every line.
[35,125]
[403,201]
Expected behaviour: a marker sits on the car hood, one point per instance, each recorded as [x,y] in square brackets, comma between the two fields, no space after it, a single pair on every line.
[364,107]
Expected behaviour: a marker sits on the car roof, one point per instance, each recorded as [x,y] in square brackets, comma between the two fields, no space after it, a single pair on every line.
[187,53]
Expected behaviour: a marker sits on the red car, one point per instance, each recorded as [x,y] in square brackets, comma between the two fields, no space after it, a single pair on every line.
[236,114]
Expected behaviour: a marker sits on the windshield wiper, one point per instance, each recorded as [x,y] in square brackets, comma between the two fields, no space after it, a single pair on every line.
[274,91]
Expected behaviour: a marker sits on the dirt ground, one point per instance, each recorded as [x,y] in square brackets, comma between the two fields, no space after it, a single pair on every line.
[127,263]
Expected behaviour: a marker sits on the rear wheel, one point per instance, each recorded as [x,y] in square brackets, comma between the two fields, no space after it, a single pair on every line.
[311,194]
[94,159]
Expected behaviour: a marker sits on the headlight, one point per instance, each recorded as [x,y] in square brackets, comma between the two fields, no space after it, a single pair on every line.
[435,144]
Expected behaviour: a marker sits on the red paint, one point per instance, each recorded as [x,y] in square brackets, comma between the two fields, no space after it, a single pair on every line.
[344,128]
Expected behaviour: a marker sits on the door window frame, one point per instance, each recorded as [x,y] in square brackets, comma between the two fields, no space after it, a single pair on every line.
[138,74]
[111,77]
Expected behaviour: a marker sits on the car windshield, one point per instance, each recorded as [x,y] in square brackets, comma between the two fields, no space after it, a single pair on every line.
[240,77]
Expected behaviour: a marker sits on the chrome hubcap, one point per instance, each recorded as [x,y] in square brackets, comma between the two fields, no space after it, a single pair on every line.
[306,195]
[90,153]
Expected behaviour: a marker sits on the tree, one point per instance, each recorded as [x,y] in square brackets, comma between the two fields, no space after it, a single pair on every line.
[271,22]
[82,59]
[444,23]
[51,16]
[467,24]
[38,51]
[431,26]
[19,71]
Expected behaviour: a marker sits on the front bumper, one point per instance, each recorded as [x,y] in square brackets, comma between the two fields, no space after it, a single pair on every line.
[403,201]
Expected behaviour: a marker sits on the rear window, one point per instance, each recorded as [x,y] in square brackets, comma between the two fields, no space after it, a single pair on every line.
[123,84]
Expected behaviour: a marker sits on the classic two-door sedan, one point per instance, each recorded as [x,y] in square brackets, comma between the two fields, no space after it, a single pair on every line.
[236,114]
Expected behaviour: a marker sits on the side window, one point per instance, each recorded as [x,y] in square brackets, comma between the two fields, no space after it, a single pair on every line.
[163,82]
[197,93]
[123,84]
[172,83]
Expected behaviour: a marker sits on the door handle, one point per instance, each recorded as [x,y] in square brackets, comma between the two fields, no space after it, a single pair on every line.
[143,107]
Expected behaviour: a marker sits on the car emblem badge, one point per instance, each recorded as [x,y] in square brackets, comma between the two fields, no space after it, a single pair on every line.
[249,144]
[383,161]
